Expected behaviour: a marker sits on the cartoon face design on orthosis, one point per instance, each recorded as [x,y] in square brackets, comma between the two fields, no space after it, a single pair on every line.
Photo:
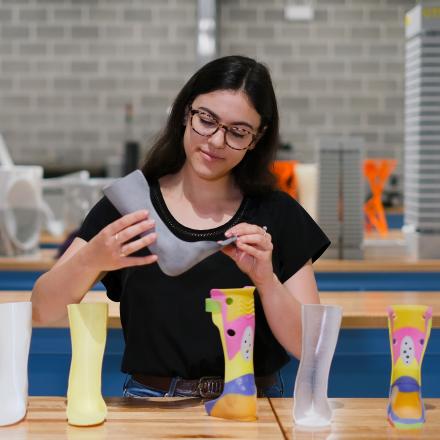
[409,335]
[408,345]
[239,325]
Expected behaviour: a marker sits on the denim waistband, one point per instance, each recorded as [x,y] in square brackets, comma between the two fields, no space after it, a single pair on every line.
[205,387]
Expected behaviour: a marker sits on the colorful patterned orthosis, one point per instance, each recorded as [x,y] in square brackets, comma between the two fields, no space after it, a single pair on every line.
[233,314]
[409,329]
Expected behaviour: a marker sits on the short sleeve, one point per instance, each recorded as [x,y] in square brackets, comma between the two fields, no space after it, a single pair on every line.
[102,214]
[300,239]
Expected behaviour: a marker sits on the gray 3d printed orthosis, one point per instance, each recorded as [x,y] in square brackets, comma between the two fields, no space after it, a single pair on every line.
[175,256]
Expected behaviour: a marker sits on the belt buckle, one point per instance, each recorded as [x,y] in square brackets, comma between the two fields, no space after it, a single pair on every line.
[210,387]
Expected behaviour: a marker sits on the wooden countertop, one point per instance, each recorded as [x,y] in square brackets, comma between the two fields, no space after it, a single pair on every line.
[358,419]
[360,309]
[164,418]
[91,297]
[46,238]
[44,259]
[369,309]
[172,418]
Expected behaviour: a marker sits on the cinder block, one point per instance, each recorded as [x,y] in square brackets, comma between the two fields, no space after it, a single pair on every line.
[71,14]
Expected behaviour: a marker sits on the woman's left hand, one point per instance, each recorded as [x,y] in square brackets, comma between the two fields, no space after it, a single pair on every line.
[252,252]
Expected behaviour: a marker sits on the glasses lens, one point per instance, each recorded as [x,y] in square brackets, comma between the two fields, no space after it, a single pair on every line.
[204,124]
[238,138]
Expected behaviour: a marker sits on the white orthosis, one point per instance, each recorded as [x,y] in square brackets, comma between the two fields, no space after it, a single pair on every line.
[15,338]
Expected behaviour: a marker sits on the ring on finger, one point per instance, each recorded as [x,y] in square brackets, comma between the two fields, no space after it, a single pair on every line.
[265,230]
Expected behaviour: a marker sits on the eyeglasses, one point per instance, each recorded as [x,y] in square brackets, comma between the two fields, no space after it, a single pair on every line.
[205,124]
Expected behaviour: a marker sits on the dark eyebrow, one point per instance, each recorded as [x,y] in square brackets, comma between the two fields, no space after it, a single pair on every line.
[232,123]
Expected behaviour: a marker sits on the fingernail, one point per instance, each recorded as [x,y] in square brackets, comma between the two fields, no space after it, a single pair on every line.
[228,233]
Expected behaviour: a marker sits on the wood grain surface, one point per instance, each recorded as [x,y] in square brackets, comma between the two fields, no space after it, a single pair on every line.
[91,297]
[354,419]
[129,419]
[369,309]
[360,309]
[44,259]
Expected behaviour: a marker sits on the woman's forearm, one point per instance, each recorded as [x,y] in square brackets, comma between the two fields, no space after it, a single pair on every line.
[66,283]
[283,314]
[282,305]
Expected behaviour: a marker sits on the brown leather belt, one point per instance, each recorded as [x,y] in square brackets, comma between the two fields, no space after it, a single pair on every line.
[206,387]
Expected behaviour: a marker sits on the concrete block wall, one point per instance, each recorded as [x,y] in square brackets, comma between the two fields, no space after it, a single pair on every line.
[339,74]
[68,67]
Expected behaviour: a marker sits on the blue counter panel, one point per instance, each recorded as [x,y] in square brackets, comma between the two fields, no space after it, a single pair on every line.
[24,280]
[327,281]
[49,245]
[49,362]
[361,366]
[367,281]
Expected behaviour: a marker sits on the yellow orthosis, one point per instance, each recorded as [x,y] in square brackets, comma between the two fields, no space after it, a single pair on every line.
[88,330]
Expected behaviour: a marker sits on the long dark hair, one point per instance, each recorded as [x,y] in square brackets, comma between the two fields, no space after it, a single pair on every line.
[252,174]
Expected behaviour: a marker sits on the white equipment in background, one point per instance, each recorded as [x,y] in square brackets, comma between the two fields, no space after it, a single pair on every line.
[20,205]
[422,134]
[307,178]
[69,198]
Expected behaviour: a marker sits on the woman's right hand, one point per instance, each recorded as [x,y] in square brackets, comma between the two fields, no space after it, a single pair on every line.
[111,248]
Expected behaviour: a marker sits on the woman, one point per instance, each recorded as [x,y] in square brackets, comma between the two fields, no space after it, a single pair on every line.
[209,174]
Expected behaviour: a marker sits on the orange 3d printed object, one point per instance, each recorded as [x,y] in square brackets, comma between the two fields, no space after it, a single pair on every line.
[284,171]
[377,172]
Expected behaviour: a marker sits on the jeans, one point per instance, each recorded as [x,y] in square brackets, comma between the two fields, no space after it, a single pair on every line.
[135,389]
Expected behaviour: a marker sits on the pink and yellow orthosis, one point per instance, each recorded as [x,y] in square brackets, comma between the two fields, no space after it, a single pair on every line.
[409,329]
[233,313]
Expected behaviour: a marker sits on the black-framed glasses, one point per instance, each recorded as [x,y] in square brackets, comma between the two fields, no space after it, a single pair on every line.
[237,138]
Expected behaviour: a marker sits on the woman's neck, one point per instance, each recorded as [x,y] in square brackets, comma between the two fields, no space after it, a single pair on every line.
[198,203]
[200,191]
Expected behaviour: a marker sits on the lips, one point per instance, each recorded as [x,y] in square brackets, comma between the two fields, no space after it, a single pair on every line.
[210,156]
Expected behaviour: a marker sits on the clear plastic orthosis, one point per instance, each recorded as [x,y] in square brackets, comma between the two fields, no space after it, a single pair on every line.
[320,329]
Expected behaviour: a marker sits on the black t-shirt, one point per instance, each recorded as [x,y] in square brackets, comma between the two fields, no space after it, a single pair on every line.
[166,329]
